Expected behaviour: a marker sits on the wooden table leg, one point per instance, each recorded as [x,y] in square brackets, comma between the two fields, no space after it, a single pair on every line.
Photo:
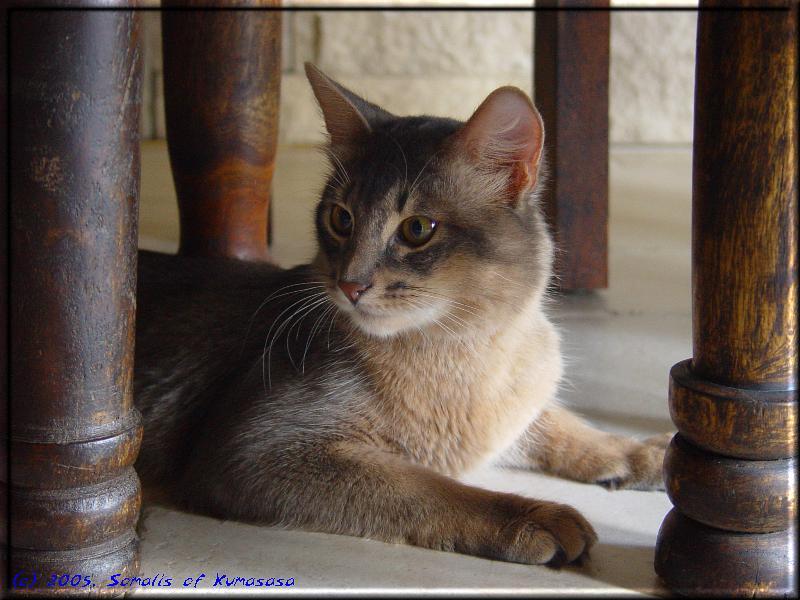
[221,92]
[571,91]
[731,469]
[75,103]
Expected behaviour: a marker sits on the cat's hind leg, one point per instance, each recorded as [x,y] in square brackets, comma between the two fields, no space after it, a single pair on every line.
[561,443]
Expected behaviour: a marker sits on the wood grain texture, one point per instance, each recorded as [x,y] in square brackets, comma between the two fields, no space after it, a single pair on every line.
[742,423]
[74,496]
[754,496]
[221,93]
[738,395]
[571,90]
[697,560]
[744,219]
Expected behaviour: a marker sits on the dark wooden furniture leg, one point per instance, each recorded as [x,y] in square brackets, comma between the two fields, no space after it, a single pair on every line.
[221,92]
[571,91]
[75,102]
[731,469]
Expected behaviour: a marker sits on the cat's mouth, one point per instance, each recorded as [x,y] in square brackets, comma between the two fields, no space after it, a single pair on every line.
[371,313]
[385,321]
[362,310]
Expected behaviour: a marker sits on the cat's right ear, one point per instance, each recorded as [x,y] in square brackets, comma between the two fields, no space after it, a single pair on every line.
[348,117]
[505,135]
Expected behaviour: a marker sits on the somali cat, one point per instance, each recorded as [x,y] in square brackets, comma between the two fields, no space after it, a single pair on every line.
[344,396]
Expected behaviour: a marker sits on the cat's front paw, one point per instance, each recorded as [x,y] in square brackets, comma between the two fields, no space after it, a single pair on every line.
[638,466]
[547,533]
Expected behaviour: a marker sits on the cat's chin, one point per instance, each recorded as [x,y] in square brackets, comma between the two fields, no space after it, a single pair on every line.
[386,325]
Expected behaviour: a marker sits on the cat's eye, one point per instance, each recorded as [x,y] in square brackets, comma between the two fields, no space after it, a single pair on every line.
[341,220]
[417,230]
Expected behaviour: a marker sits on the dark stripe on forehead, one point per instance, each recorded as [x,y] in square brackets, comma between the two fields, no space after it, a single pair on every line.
[402,199]
[349,191]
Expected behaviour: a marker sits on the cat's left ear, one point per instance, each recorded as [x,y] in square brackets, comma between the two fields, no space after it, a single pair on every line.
[348,117]
[506,135]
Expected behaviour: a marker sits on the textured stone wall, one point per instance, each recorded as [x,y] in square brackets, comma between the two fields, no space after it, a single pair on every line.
[446,63]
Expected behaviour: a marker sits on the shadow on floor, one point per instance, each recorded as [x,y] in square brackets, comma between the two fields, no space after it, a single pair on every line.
[624,566]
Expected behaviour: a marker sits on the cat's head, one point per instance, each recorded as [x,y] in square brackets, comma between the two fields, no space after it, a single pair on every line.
[430,223]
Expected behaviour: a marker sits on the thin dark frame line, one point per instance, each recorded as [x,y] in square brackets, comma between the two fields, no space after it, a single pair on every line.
[9,10]
[406,9]
[6,587]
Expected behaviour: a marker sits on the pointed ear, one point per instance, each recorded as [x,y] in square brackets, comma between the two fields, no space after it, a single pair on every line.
[505,135]
[347,116]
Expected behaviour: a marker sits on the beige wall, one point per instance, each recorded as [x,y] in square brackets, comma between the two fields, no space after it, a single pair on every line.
[446,63]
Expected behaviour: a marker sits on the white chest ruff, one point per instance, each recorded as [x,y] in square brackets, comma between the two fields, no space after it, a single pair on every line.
[467,408]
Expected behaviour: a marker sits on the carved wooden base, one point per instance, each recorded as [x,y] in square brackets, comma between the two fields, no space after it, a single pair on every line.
[698,560]
[750,423]
[732,529]
[78,571]
[749,496]
[731,470]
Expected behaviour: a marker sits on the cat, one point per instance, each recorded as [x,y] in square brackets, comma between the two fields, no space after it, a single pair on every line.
[346,395]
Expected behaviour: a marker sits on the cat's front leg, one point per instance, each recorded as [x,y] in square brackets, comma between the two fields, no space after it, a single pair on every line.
[355,489]
[561,443]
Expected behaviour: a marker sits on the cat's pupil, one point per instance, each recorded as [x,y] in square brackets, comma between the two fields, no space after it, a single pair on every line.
[416,228]
[345,220]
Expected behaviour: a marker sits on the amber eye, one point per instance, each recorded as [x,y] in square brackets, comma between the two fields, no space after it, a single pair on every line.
[341,221]
[417,230]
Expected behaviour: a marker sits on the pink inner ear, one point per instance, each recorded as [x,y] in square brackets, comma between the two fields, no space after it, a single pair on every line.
[506,132]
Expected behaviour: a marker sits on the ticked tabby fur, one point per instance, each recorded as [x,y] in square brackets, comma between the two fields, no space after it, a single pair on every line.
[344,396]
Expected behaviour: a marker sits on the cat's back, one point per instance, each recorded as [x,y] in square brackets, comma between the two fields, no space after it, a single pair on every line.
[192,322]
[170,275]
[190,302]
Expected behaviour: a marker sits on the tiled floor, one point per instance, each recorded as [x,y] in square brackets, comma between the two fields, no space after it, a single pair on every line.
[620,344]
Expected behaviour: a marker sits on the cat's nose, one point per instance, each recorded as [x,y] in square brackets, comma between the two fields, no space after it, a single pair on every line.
[353,289]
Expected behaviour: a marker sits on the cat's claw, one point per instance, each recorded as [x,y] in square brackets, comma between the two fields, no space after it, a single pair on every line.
[640,468]
[550,534]
[611,484]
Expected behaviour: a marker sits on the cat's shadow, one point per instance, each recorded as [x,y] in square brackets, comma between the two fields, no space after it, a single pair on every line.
[623,566]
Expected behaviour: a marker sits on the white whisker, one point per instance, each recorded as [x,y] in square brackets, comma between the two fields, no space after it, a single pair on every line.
[302,301]
[421,171]
[311,336]
[335,158]
[405,162]
[273,296]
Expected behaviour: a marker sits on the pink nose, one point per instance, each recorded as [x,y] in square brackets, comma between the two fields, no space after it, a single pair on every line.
[353,289]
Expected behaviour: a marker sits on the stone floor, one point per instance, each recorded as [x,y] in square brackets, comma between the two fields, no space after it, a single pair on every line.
[620,344]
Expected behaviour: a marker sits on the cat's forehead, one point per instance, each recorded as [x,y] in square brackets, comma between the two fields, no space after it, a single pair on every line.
[372,188]
[386,192]
[397,163]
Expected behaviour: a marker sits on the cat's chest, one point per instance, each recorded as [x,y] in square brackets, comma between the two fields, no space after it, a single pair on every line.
[455,405]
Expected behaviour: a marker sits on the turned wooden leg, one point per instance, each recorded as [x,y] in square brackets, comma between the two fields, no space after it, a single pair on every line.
[571,91]
[221,93]
[731,470]
[74,495]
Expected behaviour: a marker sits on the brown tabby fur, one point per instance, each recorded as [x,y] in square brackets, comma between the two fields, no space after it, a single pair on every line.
[270,397]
